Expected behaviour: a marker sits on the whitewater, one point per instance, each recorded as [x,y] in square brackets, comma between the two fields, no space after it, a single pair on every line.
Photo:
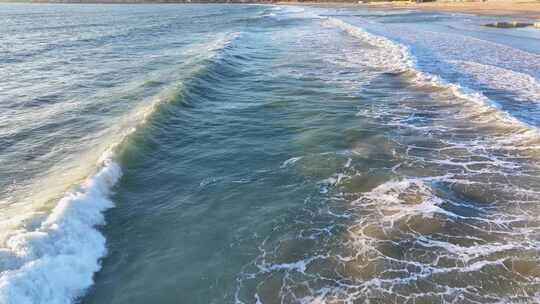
[262,154]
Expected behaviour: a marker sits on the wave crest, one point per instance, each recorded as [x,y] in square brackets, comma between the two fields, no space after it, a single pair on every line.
[55,263]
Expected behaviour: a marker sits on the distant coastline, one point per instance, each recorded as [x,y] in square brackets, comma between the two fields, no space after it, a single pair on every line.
[529,9]
[141,1]
[526,9]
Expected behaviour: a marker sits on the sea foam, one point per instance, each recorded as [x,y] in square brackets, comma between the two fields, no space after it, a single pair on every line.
[395,57]
[55,263]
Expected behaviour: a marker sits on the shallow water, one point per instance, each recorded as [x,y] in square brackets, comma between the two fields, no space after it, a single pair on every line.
[265,154]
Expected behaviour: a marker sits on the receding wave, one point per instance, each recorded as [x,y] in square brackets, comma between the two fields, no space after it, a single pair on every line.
[396,57]
[522,86]
[438,205]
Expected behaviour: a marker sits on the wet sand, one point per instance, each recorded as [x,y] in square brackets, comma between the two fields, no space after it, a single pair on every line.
[526,9]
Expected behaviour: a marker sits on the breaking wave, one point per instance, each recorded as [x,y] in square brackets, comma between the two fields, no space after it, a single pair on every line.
[394,57]
[54,261]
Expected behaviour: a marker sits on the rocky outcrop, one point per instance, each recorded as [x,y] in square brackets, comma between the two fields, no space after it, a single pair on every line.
[513,24]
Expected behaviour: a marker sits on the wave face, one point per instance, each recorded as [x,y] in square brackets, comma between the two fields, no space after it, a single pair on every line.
[51,242]
[266,154]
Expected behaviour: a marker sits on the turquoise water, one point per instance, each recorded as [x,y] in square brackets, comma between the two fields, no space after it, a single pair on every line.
[266,154]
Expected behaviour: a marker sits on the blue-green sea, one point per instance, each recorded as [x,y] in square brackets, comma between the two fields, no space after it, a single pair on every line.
[261,154]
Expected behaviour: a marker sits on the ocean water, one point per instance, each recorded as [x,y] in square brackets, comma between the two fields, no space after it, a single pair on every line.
[266,154]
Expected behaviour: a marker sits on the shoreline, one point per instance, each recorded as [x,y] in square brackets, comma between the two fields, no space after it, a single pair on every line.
[528,9]
[522,9]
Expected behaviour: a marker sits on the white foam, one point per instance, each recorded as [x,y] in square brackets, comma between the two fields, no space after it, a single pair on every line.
[523,86]
[395,57]
[387,200]
[289,162]
[55,263]
[468,253]
[210,49]
[298,12]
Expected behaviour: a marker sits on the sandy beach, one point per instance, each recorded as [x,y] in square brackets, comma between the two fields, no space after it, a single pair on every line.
[529,9]
[526,9]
